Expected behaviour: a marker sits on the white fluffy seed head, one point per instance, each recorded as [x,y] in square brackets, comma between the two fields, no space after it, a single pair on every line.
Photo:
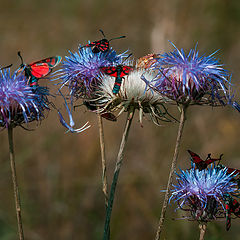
[133,88]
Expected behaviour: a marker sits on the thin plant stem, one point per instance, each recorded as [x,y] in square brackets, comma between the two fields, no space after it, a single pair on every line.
[116,173]
[202,227]
[15,184]
[102,146]
[172,170]
[104,168]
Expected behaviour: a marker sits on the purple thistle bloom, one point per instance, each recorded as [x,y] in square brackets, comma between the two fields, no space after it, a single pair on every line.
[80,70]
[192,79]
[19,103]
[202,191]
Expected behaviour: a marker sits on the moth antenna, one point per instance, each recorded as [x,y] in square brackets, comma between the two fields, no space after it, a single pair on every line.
[6,67]
[116,38]
[220,156]
[19,54]
[127,57]
[102,32]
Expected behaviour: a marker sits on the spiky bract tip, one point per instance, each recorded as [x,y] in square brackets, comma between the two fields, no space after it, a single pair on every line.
[19,103]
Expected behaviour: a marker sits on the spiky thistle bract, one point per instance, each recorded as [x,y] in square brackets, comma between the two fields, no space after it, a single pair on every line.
[201,192]
[80,73]
[19,103]
[192,78]
[80,70]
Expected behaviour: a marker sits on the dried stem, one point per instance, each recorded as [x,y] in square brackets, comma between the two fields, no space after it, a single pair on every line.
[116,173]
[173,168]
[15,184]
[202,227]
[102,146]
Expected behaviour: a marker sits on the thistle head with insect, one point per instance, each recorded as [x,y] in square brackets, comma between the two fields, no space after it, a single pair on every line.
[18,103]
[80,70]
[201,192]
[122,89]
[39,69]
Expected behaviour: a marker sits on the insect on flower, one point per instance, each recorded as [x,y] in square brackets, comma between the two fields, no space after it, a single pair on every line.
[38,69]
[80,70]
[201,192]
[118,72]
[231,206]
[18,103]
[133,94]
[101,45]
[201,164]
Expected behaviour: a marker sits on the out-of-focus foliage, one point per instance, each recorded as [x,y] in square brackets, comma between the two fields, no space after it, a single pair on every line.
[60,174]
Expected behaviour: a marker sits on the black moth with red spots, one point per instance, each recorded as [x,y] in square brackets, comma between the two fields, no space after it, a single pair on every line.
[38,69]
[232,206]
[101,45]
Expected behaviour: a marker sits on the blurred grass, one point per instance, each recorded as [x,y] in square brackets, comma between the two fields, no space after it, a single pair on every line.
[60,174]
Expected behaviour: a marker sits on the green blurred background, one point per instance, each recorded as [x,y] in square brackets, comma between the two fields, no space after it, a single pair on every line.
[60,174]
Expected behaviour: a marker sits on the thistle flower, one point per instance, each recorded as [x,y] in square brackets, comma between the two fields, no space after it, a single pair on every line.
[81,69]
[18,102]
[203,191]
[80,73]
[192,79]
[133,93]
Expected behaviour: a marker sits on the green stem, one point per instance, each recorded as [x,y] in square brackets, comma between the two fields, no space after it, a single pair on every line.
[172,170]
[116,174]
[15,184]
